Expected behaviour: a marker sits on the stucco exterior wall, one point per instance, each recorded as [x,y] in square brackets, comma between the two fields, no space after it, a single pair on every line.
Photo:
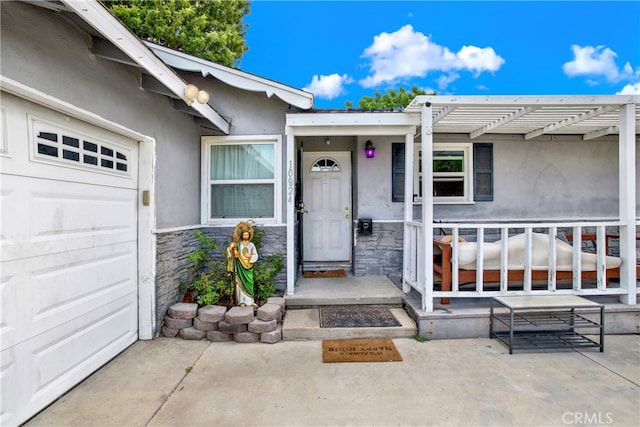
[374,181]
[546,178]
[57,60]
[249,113]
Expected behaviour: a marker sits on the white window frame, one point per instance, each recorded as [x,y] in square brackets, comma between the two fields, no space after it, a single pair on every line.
[205,184]
[467,149]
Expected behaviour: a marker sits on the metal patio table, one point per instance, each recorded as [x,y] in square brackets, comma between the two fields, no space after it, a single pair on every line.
[547,322]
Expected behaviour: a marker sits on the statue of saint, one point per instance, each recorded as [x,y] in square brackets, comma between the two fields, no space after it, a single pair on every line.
[241,255]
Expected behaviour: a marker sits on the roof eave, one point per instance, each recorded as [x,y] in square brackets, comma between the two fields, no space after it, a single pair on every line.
[96,15]
[233,77]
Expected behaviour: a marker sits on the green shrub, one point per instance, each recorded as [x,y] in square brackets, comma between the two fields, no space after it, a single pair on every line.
[210,283]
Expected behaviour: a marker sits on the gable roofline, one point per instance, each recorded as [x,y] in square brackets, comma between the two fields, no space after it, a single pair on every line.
[98,17]
[233,77]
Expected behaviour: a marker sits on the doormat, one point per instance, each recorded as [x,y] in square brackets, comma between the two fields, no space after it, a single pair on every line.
[360,350]
[324,274]
[356,316]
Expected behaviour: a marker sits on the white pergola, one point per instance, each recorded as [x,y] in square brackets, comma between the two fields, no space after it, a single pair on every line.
[532,116]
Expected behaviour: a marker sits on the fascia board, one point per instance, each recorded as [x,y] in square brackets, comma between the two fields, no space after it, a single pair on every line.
[354,130]
[369,124]
[351,119]
[96,15]
[233,77]
[522,100]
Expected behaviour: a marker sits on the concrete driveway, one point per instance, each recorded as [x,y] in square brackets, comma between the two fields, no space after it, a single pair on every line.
[466,382]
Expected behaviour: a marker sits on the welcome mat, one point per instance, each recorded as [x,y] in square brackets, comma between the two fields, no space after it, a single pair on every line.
[360,350]
[356,316]
[324,274]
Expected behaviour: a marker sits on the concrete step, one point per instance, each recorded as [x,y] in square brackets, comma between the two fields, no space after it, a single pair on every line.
[367,290]
[304,324]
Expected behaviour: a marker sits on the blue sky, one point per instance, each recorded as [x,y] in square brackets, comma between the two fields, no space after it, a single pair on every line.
[343,50]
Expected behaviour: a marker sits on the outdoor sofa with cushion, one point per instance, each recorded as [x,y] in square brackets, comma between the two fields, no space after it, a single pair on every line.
[467,258]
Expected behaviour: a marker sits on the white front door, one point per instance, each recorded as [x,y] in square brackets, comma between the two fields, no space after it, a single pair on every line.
[327,200]
[69,287]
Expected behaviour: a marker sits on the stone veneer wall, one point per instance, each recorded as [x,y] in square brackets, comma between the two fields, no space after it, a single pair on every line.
[172,266]
[381,252]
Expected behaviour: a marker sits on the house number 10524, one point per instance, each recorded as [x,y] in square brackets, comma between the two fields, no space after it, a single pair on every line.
[290,186]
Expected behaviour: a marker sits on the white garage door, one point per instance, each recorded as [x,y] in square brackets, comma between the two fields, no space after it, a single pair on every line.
[69,253]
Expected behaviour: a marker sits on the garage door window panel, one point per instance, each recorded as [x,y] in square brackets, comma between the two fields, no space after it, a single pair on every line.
[70,148]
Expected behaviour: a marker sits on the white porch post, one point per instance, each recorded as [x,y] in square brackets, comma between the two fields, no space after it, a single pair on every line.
[627,197]
[427,204]
[408,208]
[291,211]
[147,242]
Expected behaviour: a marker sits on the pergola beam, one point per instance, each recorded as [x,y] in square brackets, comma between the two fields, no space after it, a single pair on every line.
[497,123]
[567,122]
[601,132]
[443,113]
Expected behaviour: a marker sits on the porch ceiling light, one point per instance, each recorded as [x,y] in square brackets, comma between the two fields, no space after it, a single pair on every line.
[369,150]
[191,93]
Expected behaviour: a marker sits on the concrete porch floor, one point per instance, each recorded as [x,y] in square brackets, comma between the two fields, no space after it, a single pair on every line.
[302,321]
[462,318]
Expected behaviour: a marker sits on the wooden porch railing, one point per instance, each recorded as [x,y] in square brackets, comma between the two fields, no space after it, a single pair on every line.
[526,281]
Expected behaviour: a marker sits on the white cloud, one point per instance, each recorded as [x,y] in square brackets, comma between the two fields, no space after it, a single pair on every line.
[630,89]
[597,62]
[446,79]
[407,53]
[328,87]
[478,59]
[591,60]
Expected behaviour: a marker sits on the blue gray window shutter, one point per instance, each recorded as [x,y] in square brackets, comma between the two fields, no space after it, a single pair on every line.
[397,172]
[483,172]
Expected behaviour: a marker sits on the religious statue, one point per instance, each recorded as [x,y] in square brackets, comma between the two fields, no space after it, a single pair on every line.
[241,255]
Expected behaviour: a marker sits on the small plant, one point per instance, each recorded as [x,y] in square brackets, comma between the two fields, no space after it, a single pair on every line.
[208,280]
[419,338]
[210,283]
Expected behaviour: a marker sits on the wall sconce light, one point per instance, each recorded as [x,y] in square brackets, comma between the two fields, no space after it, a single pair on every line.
[369,150]
[327,141]
[191,93]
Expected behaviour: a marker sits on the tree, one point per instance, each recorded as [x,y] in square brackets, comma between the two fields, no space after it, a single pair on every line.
[390,99]
[209,29]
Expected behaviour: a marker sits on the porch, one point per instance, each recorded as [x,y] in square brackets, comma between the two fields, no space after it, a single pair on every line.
[541,258]
[463,317]
[545,166]
[302,319]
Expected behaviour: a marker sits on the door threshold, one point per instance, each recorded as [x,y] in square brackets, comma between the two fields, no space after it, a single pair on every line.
[325,266]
